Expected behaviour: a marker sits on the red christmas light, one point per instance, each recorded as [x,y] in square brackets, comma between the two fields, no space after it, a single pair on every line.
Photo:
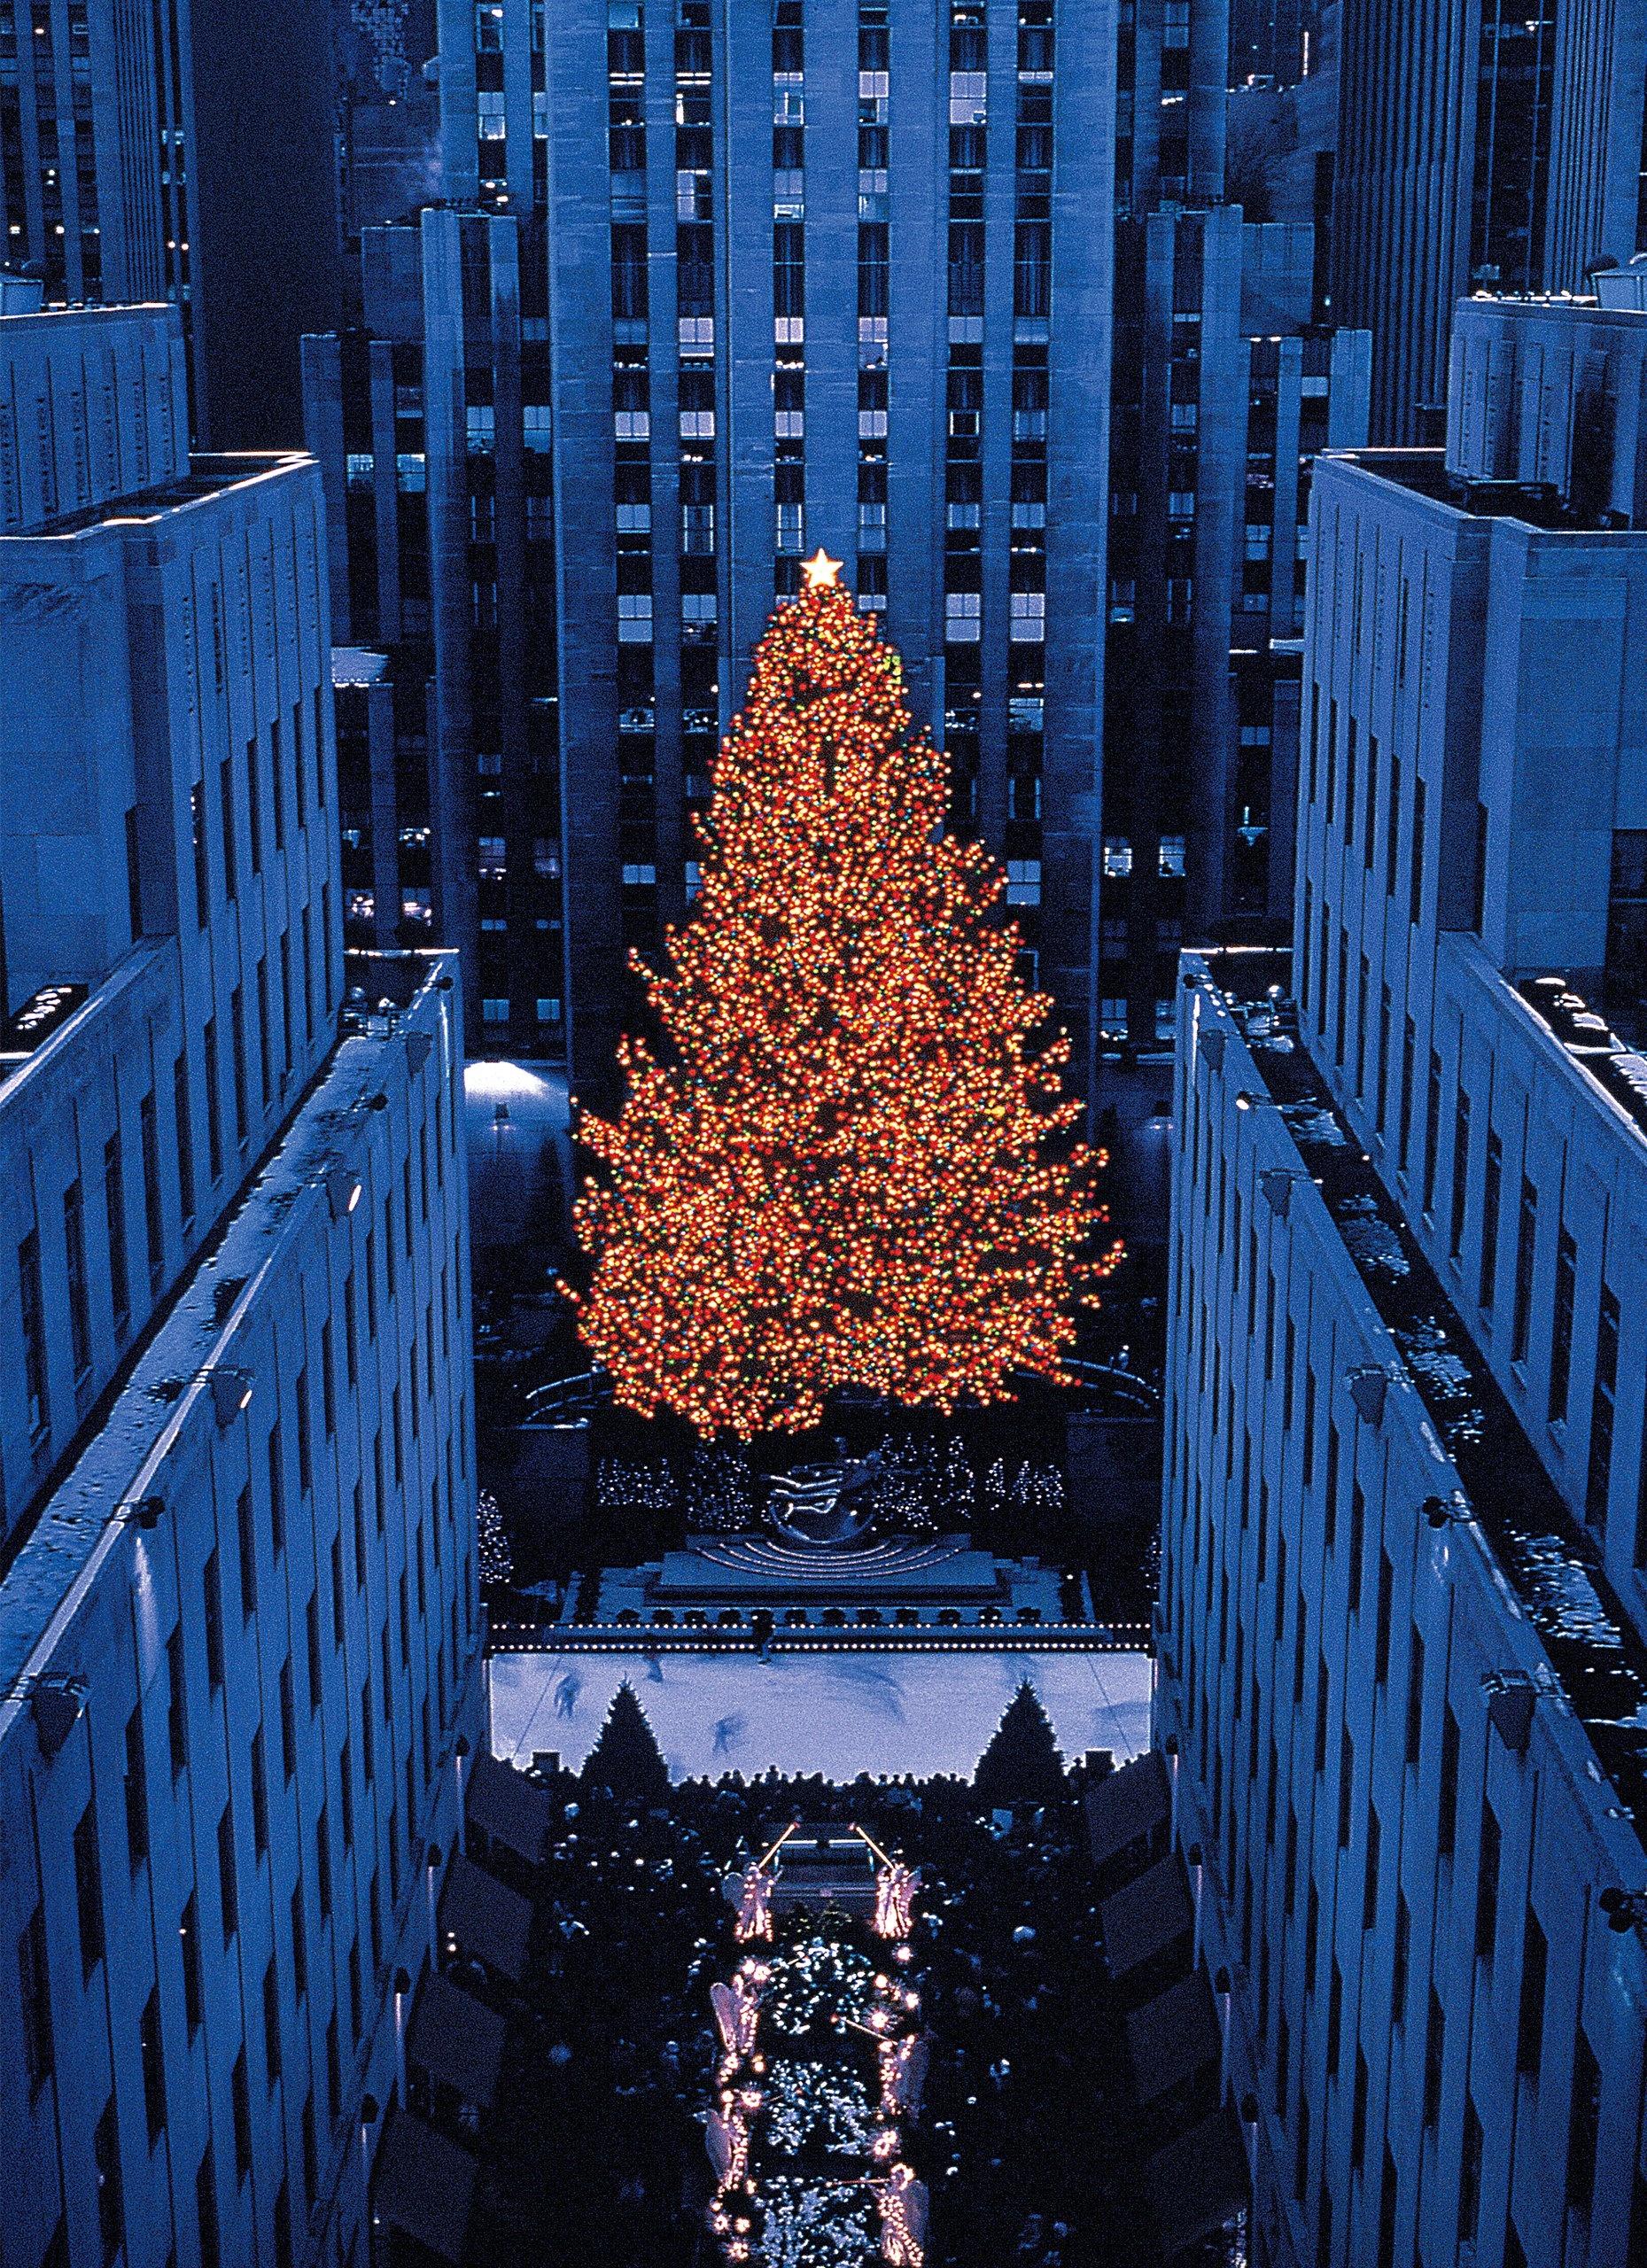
[840,1174]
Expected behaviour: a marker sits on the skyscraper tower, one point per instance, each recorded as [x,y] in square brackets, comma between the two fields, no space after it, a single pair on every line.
[787,303]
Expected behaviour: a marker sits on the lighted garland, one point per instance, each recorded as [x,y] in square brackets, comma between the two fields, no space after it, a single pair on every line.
[840,1175]
[815,1977]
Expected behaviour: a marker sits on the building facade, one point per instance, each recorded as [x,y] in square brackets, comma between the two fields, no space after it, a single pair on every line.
[239,1610]
[128,137]
[1406,1472]
[1511,158]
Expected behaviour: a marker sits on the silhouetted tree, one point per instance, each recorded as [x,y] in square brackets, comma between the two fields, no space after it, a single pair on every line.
[626,1759]
[1021,1763]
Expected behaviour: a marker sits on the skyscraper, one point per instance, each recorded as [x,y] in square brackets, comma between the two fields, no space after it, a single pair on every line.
[182,154]
[1403,1630]
[785,305]
[1477,145]
[1223,387]
[238,1616]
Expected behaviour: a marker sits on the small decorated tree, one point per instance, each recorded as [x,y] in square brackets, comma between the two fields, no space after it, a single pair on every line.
[626,1759]
[851,1164]
[1022,1763]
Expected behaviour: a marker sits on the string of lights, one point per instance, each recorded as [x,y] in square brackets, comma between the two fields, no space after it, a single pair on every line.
[850,1165]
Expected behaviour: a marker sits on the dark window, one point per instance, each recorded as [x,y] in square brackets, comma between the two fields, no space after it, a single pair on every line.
[276,1492]
[205,2210]
[1414,1697]
[1335,2018]
[1401,1967]
[1583,2127]
[1358,2113]
[1369,1887]
[1492,1198]
[212,1616]
[288,1721]
[1526,1245]
[1470,2176]
[196,821]
[154,1220]
[1461,1173]
[114,1217]
[1530,2017]
[240,2099]
[1561,1327]
[1416,905]
[79,1297]
[185,1137]
[1386,1592]
[306,1453]
[238,1037]
[246,1524]
[271,2022]
[299,1946]
[1403,1124]
[1434,2053]
[1599,1475]
[311,1630]
[226,796]
[229,1879]
[259,1795]
[1432,1129]
[33,1335]
[189,1942]
[34,2000]
[106,2149]
[1486,1886]
[136,1791]
[153,2055]
[176,1702]
[1447,1820]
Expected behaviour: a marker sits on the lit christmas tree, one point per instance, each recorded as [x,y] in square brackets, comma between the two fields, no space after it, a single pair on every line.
[839,1172]
[497,1561]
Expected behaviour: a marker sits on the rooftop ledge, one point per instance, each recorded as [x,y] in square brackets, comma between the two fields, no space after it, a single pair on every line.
[85,1520]
[1551,1568]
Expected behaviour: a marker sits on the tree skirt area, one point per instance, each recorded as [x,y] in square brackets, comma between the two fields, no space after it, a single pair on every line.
[835,1714]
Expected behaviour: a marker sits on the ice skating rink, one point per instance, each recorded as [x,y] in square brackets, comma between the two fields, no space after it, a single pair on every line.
[835,1714]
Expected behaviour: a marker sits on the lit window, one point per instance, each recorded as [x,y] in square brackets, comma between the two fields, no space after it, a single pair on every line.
[493,867]
[480,422]
[359,472]
[635,520]
[791,528]
[1029,616]
[1024,882]
[1117,857]
[534,423]
[961,611]
[1113,1016]
[697,425]
[970,98]
[1172,854]
[489,121]
[416,906]
[359,906]
[697,606]
[641,877]
[411,473]
[548,1012]
[1166,1019]
[494,1012]
[1181,504]
[694,880]
[632,424]
[634,618]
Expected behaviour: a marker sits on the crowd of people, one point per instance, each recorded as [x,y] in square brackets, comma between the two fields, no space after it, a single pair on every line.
[597,2149]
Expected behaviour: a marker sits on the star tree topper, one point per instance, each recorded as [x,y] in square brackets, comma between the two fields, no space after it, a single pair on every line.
[820,571]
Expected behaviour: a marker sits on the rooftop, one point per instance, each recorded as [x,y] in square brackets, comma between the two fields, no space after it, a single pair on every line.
[1424,472]
[1552,1565]
[208,475]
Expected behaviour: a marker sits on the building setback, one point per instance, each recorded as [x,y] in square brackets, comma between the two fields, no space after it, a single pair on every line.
[239,1612]
[1403,1605]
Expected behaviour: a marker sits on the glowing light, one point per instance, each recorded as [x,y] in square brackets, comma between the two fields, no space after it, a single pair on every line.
[854,1167]
[820,571]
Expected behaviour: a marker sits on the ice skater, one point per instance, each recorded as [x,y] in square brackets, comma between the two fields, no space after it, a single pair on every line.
[566,1695]
[726,1730]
